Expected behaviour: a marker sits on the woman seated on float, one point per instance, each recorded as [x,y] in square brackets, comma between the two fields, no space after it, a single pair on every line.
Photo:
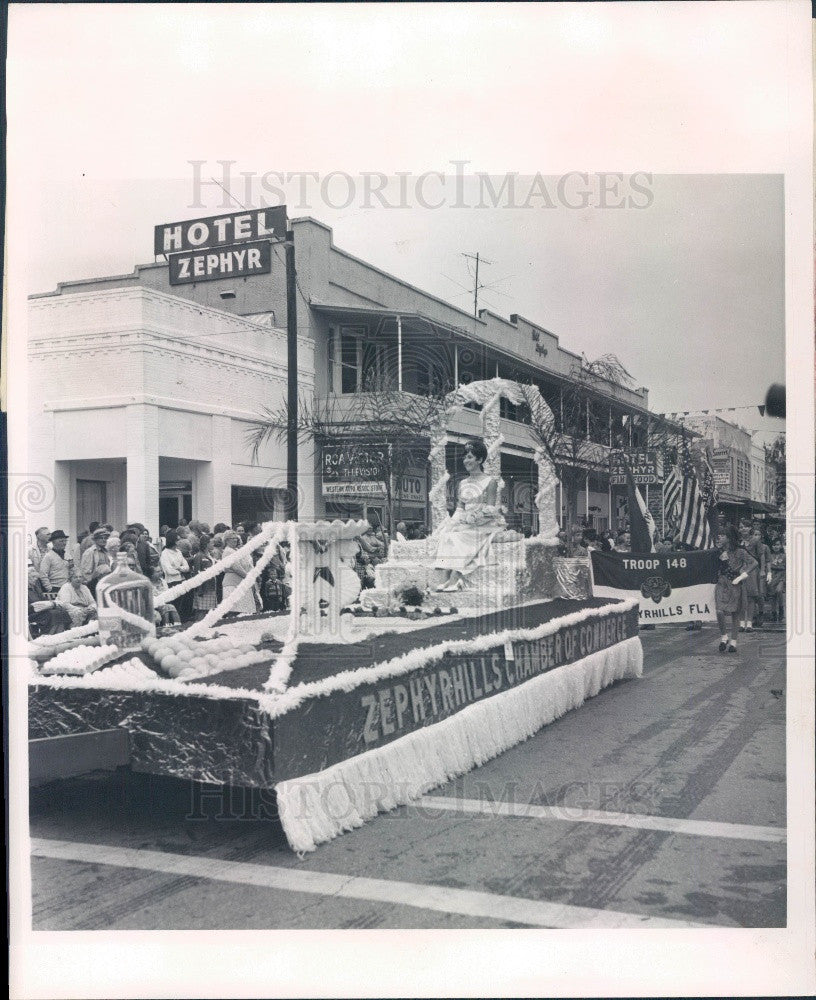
[465,538]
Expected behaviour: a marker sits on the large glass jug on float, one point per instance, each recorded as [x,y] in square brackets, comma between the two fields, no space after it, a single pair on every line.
[125,602]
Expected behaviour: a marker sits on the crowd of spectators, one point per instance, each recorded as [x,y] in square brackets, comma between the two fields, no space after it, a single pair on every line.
[63,577]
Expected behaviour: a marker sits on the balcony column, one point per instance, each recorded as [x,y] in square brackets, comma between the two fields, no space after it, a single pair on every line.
[586,497]
[609,501]
[399,353]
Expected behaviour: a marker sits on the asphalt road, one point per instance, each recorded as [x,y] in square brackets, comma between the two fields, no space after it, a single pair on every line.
[660,802]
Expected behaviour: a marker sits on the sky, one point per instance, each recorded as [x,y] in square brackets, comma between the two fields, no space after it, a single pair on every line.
[686,285]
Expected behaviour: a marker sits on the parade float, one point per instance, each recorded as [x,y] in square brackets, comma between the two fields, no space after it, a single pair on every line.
[345,707]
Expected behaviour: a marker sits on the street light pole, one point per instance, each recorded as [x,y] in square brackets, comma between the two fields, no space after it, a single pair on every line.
[291,381]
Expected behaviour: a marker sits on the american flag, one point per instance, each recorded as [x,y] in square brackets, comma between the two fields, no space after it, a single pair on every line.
[694,529]
[671,491]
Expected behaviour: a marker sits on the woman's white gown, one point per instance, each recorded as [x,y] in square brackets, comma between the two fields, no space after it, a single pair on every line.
[464,539]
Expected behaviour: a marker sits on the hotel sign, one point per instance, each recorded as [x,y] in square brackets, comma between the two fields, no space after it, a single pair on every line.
[222,246]
[238,261]
[220,230]
[644,466]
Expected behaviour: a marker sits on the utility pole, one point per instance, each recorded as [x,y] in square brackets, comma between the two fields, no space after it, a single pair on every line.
[476,286]
[291,381]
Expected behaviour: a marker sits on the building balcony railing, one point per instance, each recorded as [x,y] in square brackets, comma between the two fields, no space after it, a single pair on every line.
[365,412]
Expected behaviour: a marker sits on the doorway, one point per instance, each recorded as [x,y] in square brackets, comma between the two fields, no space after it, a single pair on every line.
[91,502]
[175,503]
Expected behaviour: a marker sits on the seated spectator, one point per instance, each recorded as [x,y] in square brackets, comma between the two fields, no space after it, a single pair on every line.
[54,566]
[402,531]
[78,601]
[45,617]
[166,613]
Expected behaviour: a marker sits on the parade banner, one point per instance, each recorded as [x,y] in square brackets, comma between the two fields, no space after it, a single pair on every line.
[669,586]
[373,713]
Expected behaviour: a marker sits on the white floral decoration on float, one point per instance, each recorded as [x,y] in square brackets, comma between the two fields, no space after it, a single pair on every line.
[80,660]
[318,533]
[48,645]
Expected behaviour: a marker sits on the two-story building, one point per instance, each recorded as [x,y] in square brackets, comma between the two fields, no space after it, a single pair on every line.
[739,464]
[142,393]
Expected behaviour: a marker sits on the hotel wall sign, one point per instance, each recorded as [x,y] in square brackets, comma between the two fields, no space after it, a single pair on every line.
[238,261]
[220,230]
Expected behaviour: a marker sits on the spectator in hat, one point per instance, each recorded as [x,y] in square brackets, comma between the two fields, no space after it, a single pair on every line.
[89,535]
[54,566]
[96,561]
[39,548]
[78,601]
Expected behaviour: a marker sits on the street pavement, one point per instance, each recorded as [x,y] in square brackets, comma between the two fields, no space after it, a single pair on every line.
[658,803]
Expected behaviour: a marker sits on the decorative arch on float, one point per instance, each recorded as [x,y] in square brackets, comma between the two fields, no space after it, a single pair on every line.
[488,394]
